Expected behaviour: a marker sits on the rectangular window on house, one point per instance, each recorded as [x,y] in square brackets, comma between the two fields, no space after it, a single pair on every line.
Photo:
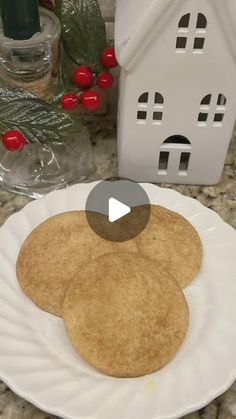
[181,43]
[163,162]
[198,44]
[184,163]
[218,119]
[202,118]
[157,118]
[141,117]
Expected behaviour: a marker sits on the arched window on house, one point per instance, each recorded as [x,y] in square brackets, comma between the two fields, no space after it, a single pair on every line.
[184,21]
[187,27]
[215,103]
[142,108]
[157,115]
[201,21]
[179,149]
[220,110]
[177,139]
[153,103]
[183,32]
[200,33]
[143,98]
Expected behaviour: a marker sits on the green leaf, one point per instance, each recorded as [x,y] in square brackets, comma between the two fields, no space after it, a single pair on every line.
[8,95]
[83,30]
[37,120]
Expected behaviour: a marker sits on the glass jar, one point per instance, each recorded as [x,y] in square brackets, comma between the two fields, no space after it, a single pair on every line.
[29,63]
[37,169]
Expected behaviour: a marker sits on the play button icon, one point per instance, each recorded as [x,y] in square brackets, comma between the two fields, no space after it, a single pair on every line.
[118,210]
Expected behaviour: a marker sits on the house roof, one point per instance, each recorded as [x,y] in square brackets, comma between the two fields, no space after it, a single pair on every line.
[139,21]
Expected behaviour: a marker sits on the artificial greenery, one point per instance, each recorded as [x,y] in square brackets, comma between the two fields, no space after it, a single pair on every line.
[83,30]
[38,120]
[83,39]
[83,36]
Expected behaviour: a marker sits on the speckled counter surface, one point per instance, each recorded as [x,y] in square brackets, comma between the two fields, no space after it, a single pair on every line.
[221,198]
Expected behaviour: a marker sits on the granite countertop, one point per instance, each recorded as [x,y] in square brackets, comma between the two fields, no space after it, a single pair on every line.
[221,198]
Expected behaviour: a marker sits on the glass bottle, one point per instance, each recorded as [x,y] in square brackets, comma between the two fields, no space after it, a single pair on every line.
[29,63]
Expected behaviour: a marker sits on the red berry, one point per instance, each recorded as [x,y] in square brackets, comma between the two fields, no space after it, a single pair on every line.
[109,58]
[13,140]
[69,101]
[83,76]
[105,80]
[91,99]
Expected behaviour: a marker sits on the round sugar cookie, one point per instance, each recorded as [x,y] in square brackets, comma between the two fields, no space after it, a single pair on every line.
[125,315]
[172,240]
[52,253]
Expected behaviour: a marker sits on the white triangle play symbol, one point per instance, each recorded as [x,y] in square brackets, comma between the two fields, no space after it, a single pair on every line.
[117,210]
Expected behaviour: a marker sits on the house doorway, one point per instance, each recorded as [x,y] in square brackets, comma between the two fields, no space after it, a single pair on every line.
[174,157]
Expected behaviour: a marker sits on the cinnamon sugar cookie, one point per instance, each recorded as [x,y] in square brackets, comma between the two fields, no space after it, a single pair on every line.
[172,240]
[125,315]
[52,254]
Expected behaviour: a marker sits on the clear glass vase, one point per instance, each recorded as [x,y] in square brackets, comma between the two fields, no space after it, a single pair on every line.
[37,169]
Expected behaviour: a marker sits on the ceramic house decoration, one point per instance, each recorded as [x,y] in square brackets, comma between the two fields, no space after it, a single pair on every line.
[177,103]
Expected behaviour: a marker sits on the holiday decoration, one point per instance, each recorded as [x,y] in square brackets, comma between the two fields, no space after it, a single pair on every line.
[84,40]
[37,120]
[91,99]
[61,154]
[13,140]
[83,76]
[83,36]
[105,80]
[108,58]
[177,100]
[83,30]
[69,101]
[46,148]
[85,55]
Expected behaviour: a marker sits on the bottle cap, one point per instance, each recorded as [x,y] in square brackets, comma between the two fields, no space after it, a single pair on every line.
[20,18]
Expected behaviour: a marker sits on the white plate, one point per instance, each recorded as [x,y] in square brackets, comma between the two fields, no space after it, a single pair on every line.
[38,362]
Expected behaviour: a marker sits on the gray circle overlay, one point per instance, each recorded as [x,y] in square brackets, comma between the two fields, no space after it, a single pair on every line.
[128,193]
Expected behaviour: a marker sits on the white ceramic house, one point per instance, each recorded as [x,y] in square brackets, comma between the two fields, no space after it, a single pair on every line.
[177,104]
